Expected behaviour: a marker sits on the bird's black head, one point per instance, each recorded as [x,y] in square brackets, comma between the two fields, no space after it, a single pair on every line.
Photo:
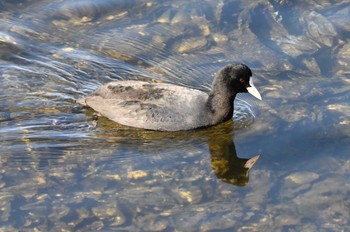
[237,77]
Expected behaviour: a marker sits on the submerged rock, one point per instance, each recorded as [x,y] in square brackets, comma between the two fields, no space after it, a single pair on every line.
[319,28]
[343,60]
[190,45]
[138,174]
[109,212]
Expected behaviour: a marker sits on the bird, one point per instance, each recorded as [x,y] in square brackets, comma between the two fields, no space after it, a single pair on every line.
[169,107]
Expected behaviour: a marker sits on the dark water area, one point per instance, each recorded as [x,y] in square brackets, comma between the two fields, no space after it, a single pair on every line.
[281,164]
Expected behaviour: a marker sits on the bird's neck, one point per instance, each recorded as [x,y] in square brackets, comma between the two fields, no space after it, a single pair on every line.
[220,103]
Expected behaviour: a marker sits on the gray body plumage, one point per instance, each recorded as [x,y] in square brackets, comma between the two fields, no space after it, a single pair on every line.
[160,106]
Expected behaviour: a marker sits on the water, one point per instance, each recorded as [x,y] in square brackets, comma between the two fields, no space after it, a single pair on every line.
[61,170]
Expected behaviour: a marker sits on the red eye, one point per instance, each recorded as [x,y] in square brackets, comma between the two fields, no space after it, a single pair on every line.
[242,81]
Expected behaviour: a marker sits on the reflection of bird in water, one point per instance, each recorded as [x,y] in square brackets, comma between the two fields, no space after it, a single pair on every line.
[225,163]
[167,107]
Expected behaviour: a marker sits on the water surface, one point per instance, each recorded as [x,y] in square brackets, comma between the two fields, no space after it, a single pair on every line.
[63,170]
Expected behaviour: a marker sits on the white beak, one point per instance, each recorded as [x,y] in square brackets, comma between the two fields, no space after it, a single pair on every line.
[253,91]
